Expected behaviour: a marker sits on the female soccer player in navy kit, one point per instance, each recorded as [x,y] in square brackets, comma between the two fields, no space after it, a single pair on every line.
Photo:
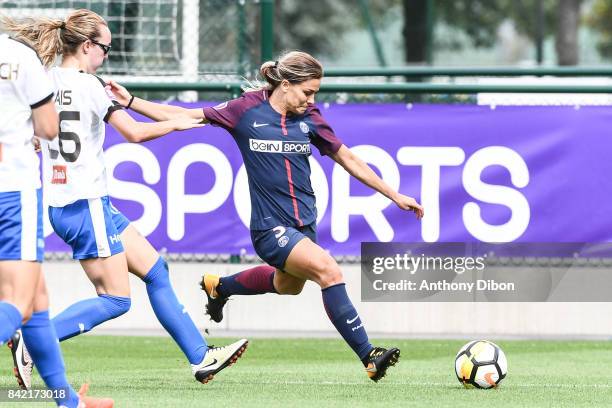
[274,126]
[101,238]
[26,108]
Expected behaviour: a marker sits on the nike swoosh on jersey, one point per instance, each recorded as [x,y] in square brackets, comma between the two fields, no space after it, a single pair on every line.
[256,125]
[352,320]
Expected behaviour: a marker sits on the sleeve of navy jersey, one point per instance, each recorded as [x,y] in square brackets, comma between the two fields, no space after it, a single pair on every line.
[322,135]
[228,114]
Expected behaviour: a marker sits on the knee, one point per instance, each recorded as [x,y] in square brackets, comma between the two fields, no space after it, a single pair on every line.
[327,272]
[116,305]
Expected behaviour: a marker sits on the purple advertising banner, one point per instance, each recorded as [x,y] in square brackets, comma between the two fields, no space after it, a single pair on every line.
[526,174]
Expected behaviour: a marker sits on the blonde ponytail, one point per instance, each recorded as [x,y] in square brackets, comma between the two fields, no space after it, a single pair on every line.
[50,37]
[42,34]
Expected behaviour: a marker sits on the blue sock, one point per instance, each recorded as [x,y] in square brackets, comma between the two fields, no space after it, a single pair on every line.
[83,316]
[10,321]
[343,315]
[172,315]
[254,281]
[41,340]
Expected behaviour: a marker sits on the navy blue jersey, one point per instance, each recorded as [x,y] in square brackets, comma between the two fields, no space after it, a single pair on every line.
[275,150]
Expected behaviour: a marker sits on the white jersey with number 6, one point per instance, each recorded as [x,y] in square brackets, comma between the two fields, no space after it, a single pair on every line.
[24,86]
[73,163]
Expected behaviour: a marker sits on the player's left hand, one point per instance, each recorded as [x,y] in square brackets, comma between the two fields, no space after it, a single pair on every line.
[409,204]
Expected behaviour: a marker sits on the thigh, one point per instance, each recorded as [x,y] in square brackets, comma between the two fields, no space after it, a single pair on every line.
[18,283]
[140,254]
[88,227]
[108,275]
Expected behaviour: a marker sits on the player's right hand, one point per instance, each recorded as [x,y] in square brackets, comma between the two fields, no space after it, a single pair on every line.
[122,94]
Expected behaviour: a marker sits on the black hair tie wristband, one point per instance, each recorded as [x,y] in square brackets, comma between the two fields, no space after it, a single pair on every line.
[130,102]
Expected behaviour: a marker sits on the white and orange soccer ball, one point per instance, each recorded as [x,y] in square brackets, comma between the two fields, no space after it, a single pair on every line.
[481,364]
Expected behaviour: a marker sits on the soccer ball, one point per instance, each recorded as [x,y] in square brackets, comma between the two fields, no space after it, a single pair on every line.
[481,364]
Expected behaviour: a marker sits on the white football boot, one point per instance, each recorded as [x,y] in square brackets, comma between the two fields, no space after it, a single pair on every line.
[217,358]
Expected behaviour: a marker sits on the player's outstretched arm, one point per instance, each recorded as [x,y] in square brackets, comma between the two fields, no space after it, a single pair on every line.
[152,110]
[362,172]
[138,132]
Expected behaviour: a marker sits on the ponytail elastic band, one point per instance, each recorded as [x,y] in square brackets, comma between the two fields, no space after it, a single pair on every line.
[130,102]
[276,64]
[63,26]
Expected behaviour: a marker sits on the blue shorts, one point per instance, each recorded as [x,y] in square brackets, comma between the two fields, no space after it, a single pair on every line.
[274,245]
[91,227]
[21,228]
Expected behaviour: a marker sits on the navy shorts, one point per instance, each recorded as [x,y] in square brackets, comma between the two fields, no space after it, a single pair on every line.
[91,227]
[21,228]
[274,245]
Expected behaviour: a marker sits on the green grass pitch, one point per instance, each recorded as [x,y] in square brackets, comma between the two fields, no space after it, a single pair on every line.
[151,372]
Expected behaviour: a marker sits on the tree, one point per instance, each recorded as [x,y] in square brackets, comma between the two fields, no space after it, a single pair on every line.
[566,40]
[314,27]
[599,19]
[479,19]
[317,26]
[415,31]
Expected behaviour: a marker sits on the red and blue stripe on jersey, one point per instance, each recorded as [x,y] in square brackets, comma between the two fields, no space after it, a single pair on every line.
[275,150]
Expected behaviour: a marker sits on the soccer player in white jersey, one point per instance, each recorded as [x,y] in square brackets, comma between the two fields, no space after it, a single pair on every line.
[26,108]
[80,211]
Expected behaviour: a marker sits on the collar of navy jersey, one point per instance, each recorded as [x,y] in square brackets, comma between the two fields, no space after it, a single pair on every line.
[294,123]
[276,120]
[266,124]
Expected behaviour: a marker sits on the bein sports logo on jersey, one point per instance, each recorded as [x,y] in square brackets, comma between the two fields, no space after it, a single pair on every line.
[59,175]
[279,146]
